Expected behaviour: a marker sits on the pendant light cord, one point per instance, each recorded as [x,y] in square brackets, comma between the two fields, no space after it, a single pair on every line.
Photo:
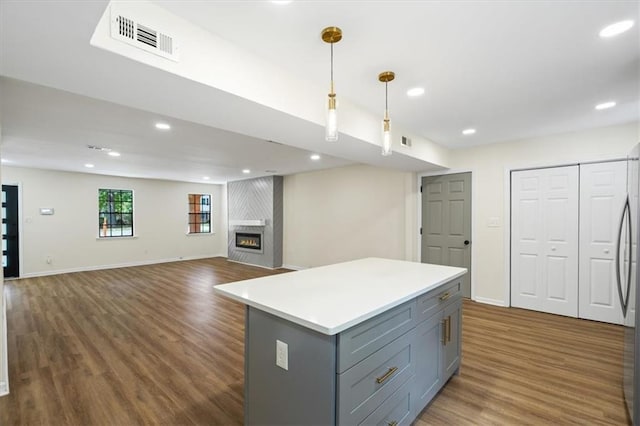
[331,67]
[386,96]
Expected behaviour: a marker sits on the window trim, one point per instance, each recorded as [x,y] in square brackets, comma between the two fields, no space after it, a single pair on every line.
[189,213]
[133,215]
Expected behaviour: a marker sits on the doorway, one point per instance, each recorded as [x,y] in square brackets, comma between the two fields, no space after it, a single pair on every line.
[446,223]
[10,232]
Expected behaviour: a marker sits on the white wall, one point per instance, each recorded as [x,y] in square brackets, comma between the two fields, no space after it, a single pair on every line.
[490,165]
[357,211]
[69,236]
[348,213]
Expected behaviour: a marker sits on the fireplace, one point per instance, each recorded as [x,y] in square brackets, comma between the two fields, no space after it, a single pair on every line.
[249,241]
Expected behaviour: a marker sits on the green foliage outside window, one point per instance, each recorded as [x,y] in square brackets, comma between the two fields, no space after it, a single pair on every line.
[115,216]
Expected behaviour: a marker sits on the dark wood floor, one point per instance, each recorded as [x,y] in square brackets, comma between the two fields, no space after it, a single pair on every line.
[152,344]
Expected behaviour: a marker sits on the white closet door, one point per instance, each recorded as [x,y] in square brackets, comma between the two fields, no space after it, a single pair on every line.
[602,195]
[544,240]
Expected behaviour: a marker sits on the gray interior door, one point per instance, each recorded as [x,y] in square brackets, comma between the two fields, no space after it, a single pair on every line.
[446,222]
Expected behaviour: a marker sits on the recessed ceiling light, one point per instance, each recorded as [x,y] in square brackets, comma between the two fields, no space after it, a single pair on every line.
[89,166]
[315,157]
[206,177]
[615,29]
[416,91]
[114,153]
[281,1]
[163,126]
[468,131]
[246,171]
[605,105]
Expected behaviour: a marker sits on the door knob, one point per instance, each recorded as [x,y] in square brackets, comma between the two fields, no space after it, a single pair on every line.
[466,242]
[606,251]
[553,248]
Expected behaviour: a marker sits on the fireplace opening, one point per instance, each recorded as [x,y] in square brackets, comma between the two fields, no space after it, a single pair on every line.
[249,241]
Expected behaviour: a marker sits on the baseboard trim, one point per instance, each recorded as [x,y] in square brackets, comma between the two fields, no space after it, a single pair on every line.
[4,356]
[253,264]
[487,301]
[115,266]
[294,267]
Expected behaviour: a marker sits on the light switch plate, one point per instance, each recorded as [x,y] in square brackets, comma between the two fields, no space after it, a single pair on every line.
[493,222]
[282,355]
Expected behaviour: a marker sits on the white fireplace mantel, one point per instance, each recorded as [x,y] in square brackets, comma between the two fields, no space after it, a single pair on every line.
[247,222]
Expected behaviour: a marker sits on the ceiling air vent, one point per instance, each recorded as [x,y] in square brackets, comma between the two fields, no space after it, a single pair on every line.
[99,148]
[144,37]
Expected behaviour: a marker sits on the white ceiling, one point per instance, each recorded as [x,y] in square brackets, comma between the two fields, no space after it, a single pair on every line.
[510,69]
[51,129]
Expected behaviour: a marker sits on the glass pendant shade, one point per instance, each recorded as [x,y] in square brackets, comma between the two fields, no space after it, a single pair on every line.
[386,137]
[331,128]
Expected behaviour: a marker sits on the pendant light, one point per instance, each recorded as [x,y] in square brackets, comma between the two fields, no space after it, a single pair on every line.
[386,77]
[332,35]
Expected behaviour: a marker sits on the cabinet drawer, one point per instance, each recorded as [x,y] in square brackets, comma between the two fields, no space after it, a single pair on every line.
[429,303]
[362,388]
[360,341]
[396,410]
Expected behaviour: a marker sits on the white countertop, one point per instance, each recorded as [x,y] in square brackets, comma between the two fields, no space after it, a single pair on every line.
[330,299]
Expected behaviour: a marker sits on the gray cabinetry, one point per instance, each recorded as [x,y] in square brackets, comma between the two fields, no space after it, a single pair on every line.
[396,407]
[360,341]
[365,386]
[437,343]
[429,371]
[452,328]
[384,370]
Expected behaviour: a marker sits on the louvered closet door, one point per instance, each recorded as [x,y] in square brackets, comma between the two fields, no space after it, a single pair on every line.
[602,196]
[544,240]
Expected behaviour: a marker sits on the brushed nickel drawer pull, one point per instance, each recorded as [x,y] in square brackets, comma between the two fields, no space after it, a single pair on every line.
[386,375]
[445,296]
[393,423]
[449,328]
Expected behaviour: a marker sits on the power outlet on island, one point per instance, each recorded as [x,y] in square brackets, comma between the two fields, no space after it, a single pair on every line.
[282,355]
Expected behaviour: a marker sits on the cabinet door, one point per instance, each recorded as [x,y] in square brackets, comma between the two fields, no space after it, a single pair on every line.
[602,197]
[452,328]
[429,344]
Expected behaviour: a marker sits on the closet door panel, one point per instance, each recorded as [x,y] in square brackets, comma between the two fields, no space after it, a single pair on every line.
[602,196]
[544,240]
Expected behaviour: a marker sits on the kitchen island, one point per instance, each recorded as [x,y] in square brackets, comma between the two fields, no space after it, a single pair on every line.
[364,342]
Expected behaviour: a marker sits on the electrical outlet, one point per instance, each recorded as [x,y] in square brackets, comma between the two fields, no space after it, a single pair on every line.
[49,260]
[282,355]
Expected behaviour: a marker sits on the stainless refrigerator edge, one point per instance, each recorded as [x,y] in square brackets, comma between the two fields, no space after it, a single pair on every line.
[627,279]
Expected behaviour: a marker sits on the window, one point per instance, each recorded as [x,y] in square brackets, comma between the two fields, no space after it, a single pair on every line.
[199,213]
[115,215]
